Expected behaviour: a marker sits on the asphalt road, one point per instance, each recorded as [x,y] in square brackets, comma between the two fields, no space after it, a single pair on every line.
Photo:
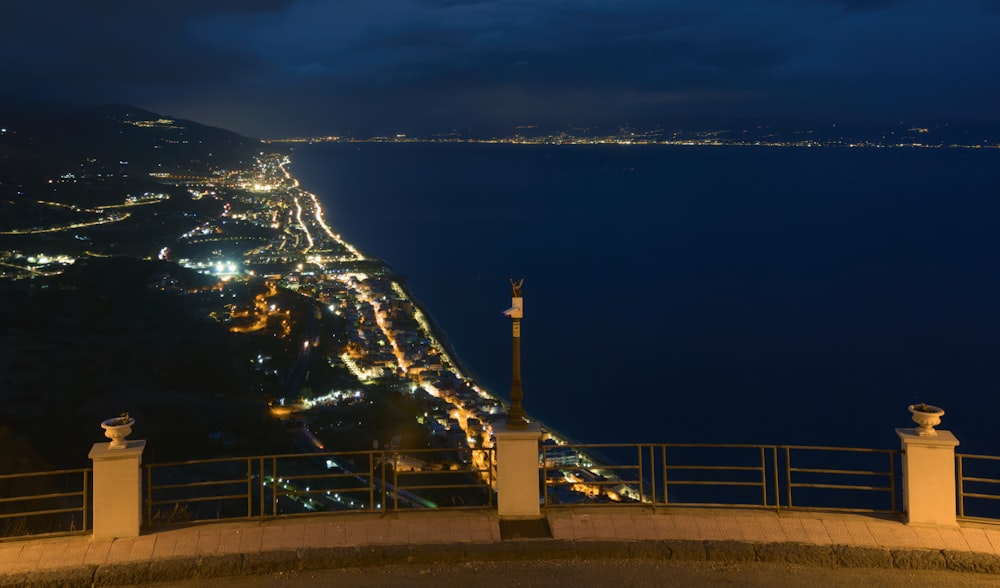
[620,574]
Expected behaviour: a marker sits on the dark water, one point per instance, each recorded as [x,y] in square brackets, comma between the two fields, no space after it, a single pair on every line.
[690,294]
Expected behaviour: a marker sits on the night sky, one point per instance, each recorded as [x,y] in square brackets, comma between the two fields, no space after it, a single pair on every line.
[276,68]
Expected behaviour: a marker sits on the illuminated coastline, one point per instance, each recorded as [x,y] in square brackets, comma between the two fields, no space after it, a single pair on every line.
[908,138]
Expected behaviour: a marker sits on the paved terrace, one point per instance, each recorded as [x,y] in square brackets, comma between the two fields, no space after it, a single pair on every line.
[323,542]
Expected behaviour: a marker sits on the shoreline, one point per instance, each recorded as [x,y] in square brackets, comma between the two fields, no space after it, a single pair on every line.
[435,333]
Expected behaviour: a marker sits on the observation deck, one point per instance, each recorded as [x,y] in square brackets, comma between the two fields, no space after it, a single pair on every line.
[451,537]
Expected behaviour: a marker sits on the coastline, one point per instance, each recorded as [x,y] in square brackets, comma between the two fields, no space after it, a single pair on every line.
[437,332]
[461,370]
[720,289]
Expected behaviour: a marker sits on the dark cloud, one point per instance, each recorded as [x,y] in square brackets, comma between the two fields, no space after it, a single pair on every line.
[119,48]
[990,6]
[451,3]
[318,66]
[866,5]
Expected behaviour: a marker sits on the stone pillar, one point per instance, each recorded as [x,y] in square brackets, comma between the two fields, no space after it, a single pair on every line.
[518,490]
[929,478]
[117,490]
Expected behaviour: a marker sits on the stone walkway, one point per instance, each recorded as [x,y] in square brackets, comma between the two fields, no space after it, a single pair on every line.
[240,548]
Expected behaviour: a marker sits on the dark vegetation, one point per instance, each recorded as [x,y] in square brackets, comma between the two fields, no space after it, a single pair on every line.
[46,139]
[99,156]
[384,414]
[123,333]
[118,334]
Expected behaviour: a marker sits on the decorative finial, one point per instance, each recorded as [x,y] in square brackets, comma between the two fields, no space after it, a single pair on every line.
[927,417]
[117,429]
[515,287]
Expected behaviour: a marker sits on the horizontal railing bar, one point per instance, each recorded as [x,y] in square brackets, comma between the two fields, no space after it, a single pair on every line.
[839,509]
[631,468]
[34,513]
[441,473]
[970,456]
[279,487]
[171,464]
[318,476]
[425,450]
[156,487]
[441,487]
[714,504]
[851,449]
[980,480]
[710,468]
[320,492]
[461,507]
[208,521]
[845,472]
[323,491]
[711,483]
[323,454]
[318,489]
[198,499]
[842,487]
[346,511]
[52,534]
[709,445]
[42,497]
[593,446]
[591,484]
[595,482]
[48,473]
[977,495]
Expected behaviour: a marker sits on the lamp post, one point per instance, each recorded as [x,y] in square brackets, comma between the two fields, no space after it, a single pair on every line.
[518,483]
[515,416]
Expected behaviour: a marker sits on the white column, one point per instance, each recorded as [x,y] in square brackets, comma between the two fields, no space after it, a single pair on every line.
[929,478]
[117,490]
[518,489]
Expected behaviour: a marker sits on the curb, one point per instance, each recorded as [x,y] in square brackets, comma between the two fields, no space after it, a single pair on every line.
[271,562]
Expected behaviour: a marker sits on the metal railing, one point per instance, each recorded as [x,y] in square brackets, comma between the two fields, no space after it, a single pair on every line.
[723,475]
[295,484]
[871,471]
[763,476]
[45,503]
[978,487]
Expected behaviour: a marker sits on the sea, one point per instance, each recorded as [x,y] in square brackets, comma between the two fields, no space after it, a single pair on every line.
[697,294]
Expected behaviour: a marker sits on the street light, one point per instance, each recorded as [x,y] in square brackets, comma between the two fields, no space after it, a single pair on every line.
[515,416]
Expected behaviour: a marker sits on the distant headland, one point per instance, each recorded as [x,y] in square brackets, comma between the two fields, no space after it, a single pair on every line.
[897,135]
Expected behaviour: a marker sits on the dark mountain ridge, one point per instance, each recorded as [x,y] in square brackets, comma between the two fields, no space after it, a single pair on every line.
[38,141]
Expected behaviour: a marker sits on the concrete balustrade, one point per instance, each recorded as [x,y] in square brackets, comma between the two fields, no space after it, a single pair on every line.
[518,488]
[928,464]
[117,489]
[929,478]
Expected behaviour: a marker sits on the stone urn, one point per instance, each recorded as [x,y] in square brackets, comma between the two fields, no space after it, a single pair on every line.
[117,429]
[927,417]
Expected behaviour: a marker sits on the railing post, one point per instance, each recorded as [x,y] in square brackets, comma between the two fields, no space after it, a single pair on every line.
[961,486]
[928,477]
[117,489]
[517,470]
[261,487]
[777,483]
